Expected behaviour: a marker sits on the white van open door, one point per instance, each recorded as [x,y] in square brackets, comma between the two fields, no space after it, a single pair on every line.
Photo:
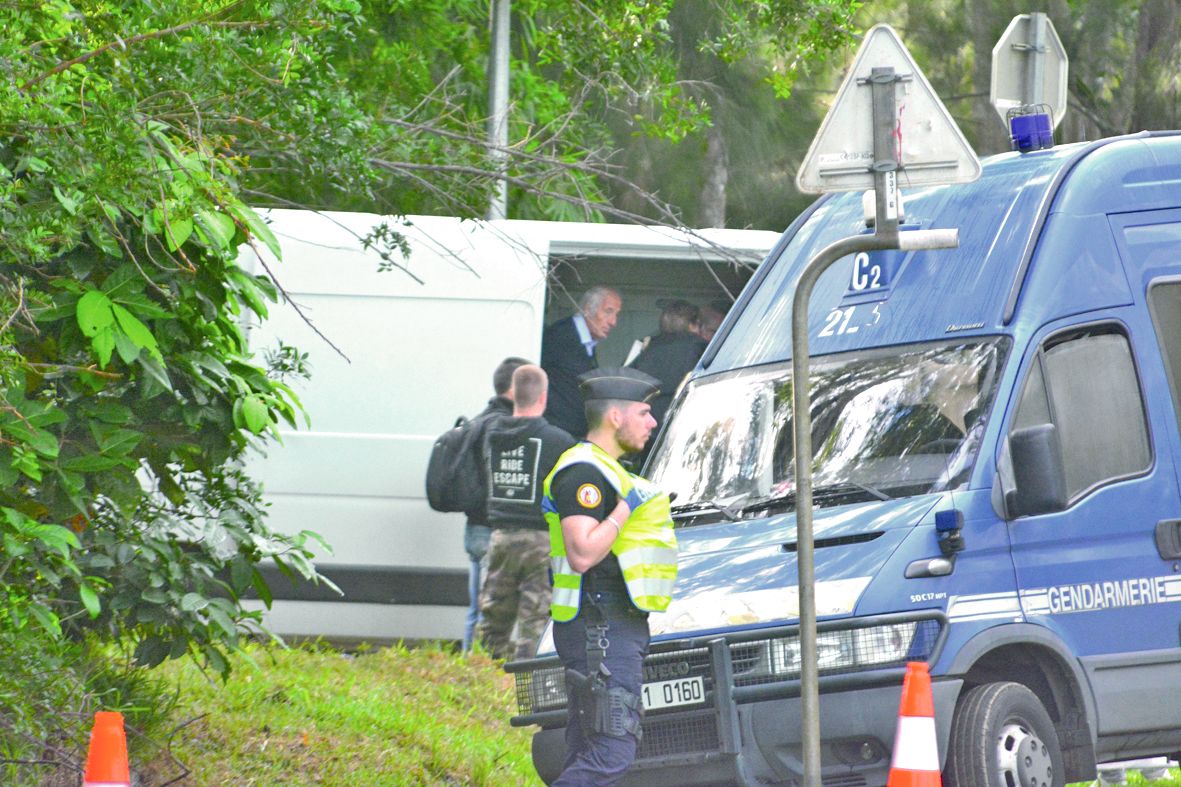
[414,342]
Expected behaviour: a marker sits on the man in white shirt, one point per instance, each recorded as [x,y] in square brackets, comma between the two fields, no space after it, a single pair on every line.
[568,350]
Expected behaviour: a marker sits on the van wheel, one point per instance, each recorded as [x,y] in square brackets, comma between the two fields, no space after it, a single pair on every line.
[1001,736]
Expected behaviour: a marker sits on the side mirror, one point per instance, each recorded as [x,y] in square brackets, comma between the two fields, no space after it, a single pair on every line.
[1038,472]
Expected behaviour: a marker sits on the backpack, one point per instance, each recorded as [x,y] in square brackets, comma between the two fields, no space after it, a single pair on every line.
[454,476]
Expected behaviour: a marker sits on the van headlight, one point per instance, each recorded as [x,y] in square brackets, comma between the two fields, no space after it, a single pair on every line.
[848,649]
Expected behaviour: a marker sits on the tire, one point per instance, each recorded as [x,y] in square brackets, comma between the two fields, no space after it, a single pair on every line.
[1001,736]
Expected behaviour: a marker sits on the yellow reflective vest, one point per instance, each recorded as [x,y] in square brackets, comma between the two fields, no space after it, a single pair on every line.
[646,546]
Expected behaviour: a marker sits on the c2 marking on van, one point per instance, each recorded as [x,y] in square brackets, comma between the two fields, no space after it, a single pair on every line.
[1094,596]
[867,275]
[918,598]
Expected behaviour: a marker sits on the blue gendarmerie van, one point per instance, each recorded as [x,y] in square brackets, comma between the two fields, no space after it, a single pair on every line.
[997,489]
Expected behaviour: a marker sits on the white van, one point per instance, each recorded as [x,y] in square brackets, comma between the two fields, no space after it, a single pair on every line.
[418,339]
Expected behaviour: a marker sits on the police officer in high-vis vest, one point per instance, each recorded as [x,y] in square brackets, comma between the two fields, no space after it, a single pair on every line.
[614,560]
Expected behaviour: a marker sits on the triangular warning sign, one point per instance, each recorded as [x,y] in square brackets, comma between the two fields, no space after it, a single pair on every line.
[930,147]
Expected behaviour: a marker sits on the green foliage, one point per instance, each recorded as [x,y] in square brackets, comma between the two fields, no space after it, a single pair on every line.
[49,690]
[1123,57]
[128,395]
[586,78]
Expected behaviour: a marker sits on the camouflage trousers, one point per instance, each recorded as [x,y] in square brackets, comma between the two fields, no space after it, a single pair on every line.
[516,591]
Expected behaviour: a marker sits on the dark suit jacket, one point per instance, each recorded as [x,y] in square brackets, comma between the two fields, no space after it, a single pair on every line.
[564,357]
[669,357]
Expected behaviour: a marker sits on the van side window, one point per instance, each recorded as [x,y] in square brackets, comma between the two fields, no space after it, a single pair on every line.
[1086,385]
[1165,304]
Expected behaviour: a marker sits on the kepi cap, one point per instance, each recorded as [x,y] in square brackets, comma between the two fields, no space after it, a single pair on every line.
[618,382]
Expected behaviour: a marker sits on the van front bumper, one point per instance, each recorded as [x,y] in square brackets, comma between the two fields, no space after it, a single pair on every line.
[747,731]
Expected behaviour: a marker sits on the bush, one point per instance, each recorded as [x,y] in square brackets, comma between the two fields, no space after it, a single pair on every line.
[50,688]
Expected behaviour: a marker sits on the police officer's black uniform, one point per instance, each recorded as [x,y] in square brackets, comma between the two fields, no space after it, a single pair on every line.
[609,629]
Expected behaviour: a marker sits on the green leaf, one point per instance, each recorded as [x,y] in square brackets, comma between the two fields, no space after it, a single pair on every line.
[41,441]
[69,202]
[122,282]
[193,602]
[257,227]
[94,312]
[255,414]
[155,596]
[46,618]
[8,475]
[109,411]
[115,442]
[143,307]
[14,548]
[128,350]
[32,164]
[156,373]
[136,331]
[261,587]
[58,538]
[104,343]
[90,463]
[224,621]
[248,289]
[151,651]
[176,232]
[90,600]
[219,228]
[217,662]
[240,573]
[49,415]
[26,462]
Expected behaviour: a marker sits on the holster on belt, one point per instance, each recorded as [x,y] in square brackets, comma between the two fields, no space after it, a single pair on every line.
[605,710]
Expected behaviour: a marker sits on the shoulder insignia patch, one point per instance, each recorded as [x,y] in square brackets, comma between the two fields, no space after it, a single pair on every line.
[589,496]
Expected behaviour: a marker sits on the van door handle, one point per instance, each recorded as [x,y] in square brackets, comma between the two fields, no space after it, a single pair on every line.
[1168,538]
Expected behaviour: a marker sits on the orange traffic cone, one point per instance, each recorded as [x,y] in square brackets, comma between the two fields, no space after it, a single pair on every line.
[916,755]
[106,761]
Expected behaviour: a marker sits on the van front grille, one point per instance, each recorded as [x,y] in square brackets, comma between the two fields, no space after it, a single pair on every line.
[685,733]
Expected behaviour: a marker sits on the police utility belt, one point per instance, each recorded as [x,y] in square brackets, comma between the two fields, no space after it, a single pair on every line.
[603,709]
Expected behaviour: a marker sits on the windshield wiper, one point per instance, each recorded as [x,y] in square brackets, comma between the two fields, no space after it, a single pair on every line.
[869,490]
[824,492]
[732,514]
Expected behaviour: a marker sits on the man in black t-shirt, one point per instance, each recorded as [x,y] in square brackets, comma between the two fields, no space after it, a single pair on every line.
[519,453]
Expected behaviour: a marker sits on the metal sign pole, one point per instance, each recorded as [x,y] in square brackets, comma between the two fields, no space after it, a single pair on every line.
[886,236]
[1037,57]
[498,84]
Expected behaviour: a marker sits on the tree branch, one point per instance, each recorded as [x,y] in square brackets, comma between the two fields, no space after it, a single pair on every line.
[125,43]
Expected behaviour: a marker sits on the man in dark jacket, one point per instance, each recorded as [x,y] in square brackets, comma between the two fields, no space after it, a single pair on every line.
[476,533]
[568,350]
[671,354]
[520,451]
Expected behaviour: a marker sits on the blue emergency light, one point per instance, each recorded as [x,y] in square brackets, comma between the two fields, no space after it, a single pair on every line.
[1031,127]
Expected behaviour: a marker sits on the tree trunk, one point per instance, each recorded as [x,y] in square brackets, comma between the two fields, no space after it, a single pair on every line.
[717,172]
[1156,99]
[986,22]
[640,176]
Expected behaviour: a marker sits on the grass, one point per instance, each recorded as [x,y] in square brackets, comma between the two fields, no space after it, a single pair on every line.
[314,715]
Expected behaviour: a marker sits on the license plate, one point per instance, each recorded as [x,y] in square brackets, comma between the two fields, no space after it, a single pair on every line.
[670,693]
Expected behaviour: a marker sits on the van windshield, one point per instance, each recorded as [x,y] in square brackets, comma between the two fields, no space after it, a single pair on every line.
[886,423]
